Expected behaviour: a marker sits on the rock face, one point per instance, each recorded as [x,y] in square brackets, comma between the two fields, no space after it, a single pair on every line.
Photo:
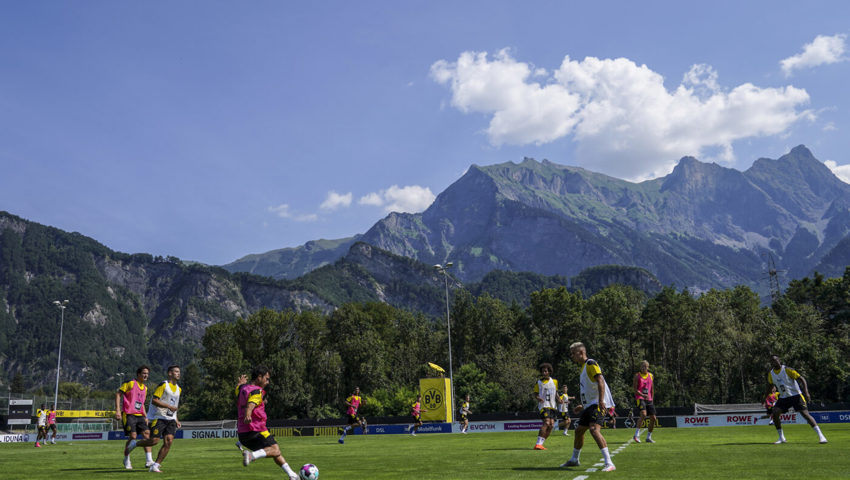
[702,226]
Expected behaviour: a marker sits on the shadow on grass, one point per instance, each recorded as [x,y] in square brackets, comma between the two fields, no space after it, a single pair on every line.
[100,470]
[738,443]
[549,469]
[506,449]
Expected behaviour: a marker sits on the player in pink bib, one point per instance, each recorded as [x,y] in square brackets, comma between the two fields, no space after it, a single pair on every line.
[251,423]
[352,404]
[51,425]
[416,412]
[130,409]
[644,386]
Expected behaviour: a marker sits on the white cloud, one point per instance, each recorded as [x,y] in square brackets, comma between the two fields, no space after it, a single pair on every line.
[409,199]
[840,171]
[335,200]
[283,211]
[822,50]
[621,116]
[372,199]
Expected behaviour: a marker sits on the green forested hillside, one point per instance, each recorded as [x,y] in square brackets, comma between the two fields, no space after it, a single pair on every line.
[126,310]
[713,348]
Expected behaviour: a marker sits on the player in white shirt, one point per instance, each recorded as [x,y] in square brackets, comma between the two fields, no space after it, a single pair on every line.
[546,394]
[564,410]
[595,401]
[41,414]
[785,379]
[162,413]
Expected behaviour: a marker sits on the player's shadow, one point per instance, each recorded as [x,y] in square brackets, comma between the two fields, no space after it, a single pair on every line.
[737,443]
[545,469]
[505,449]
[109,470]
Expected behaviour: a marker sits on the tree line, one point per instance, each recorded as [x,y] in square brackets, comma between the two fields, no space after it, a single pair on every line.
[708,348]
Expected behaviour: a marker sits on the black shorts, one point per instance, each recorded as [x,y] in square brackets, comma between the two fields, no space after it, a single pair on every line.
[352,419]
[769,411]
[417,418]
[463,418]
[797,402]
[592,414]
[134,423]
[161,428]
[257,440]
[52,426]
[564,415]
[42,429]
[648,405]
[548,413]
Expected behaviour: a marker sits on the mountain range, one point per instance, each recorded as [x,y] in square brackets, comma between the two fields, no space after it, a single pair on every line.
[702,226]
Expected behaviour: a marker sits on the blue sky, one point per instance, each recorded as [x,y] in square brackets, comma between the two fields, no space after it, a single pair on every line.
[210,130]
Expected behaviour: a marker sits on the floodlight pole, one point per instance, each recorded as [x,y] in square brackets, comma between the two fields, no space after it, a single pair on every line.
[442,269]
[62,305]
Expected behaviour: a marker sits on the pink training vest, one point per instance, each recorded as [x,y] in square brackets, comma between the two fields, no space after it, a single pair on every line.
[51,417]
[645,386]
[134,399]
[355,404]
[258,415]
[415,410]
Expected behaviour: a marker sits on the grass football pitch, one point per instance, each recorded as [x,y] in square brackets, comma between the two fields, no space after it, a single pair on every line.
[706,453]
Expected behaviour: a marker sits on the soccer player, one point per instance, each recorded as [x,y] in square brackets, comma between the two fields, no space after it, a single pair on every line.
[644,387]
[416,412]
[130,409]
[162,414]
[785,379]
[595,401]
[353,403]
[51,425]
[769,402]
[251,415]
[41,414]
[546,394]
[464,415]
[243,379]
[564,410]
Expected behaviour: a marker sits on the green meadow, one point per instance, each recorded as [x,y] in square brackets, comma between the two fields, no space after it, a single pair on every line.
[704,453]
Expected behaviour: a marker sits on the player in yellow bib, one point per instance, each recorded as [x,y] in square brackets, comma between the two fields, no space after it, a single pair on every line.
[162,414]
[546,394]
[595,401]
[787,382]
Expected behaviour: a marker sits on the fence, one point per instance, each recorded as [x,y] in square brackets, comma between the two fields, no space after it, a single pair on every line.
[61,403]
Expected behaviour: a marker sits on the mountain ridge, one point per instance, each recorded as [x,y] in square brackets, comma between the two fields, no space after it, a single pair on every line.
[558,220]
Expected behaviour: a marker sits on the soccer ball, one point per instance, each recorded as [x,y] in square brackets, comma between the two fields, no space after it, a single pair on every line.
[309,472]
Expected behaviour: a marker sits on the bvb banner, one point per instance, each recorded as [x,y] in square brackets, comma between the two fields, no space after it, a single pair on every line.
[85,413]
[436,399]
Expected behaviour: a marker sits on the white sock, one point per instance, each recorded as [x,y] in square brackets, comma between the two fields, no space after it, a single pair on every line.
[781,434]
[131,446]
[258,454]
[149,457]
[649,435]
[576,454]
[606,455]
[817,430]
[287,469]
[540,440]
[637,432]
